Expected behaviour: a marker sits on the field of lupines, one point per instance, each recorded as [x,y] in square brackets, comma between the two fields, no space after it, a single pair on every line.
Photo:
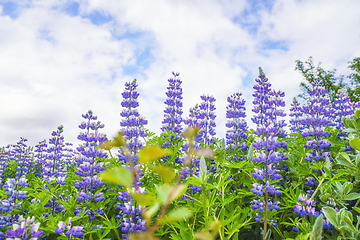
[262,183]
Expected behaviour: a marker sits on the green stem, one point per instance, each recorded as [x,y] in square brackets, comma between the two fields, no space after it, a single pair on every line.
[357,202]
[317,189]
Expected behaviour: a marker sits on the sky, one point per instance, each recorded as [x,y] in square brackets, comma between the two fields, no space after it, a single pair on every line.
[60,58]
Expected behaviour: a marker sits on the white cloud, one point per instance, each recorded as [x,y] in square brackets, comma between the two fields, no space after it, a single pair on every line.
[58,66]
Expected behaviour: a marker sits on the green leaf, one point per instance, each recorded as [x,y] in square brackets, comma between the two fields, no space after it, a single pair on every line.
[203,168]
[317,229]
[327,172]
[143,199]
[151,153]
[357,160]
[330,214]
[357,114]
[268,234]
[349,186]
[178,191]
[356,209]
[152,210]
[358,124]
[344,159]
[178,214]
[166,173]
[118,175]
[352,123]
[204,235]
[325,197]
[163,193]
[118,141]
[355,143]
[250,154]
[352,196]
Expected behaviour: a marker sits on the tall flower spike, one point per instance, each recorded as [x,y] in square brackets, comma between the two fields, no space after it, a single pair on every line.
[53,167]
[269,128]
[316,117]
[342,108]
[173,111]
[206,120]
[235,113]
[21,154]
[40,156]
[132,123]
[277,102]
[296,114]
[90,166]
[261,100]
[173,115]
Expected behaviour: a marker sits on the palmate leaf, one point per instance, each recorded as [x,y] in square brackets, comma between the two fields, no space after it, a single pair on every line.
[144,199]
[151,153]
[178,214]
[355,143]
[166,173]
[118,175]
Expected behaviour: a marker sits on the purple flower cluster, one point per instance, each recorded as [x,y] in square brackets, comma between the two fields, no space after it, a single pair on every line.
[21,154]
[40,154]
[89,166]
[15,193]
[72,231]
[305,206]
[132,123]
[173,111]
[296,114]
[235,113]
[53,167]
[130,215]
[25,230]
[173,116]
[206,120]
[316,117]
[267,106]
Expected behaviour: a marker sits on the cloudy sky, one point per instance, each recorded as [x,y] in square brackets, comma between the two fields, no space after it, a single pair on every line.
[60,58]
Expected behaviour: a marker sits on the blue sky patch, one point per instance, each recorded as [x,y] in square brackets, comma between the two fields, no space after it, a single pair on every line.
[72,8]
[143,60]
[145,43]
[250,19]
[9,9]
[274,44]
[98,18]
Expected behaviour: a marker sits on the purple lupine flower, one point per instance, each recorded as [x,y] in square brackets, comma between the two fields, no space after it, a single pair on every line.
[40,156]
[130,214]
[206,120]
[305,206]
[21,154]
[173,111]
[296,114]
[342,108]
[268,113]
[60,227]
[27,228]
[53,166]
[235,113]
[132,123]
[173,115]
[89,165]
[315,119]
